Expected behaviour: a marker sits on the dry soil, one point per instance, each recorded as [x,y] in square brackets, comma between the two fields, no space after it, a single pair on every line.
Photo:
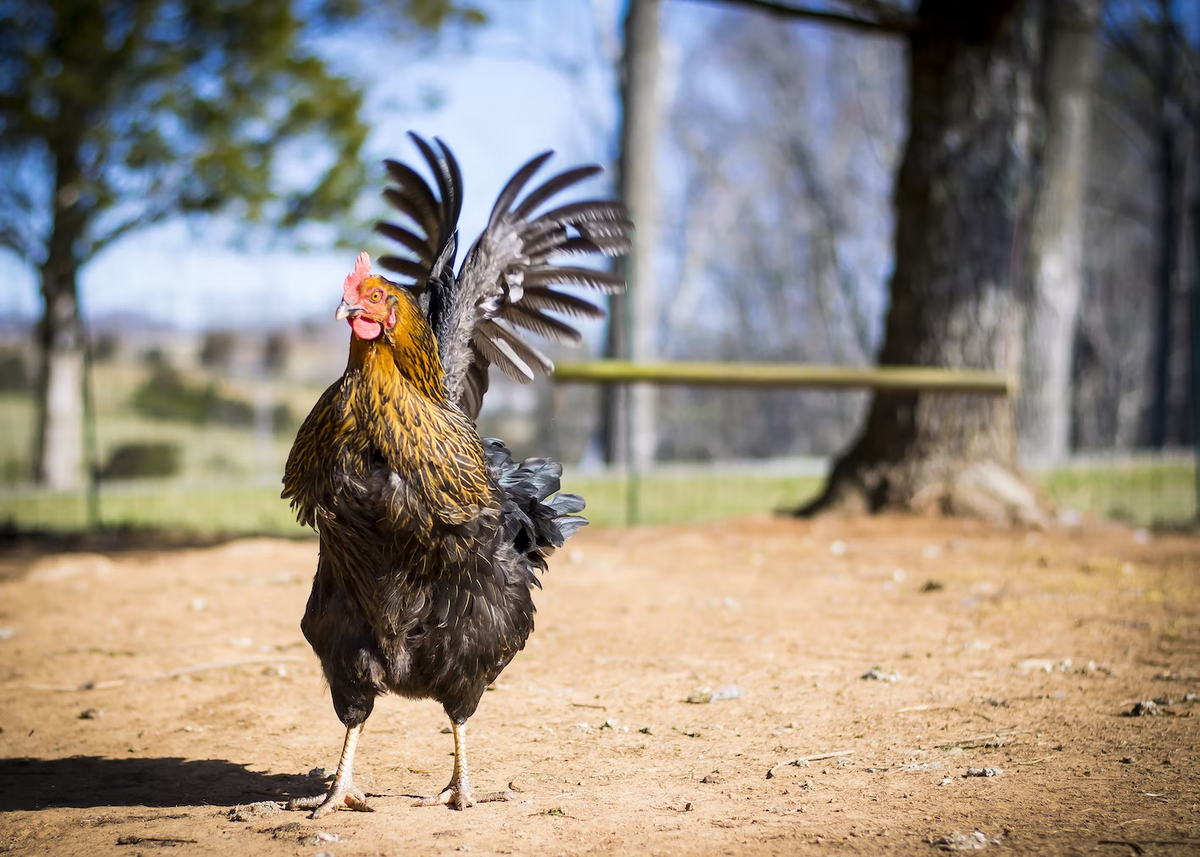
[162,702]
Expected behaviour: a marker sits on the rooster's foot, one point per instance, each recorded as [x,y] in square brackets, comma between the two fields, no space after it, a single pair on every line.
[461,795]
[342,794]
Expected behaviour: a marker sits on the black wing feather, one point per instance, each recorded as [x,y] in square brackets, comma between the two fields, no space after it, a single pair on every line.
[503,287]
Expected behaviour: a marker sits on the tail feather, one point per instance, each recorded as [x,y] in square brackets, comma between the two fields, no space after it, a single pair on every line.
[537,518]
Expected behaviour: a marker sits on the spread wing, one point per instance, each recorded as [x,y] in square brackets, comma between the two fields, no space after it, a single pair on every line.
[507,282]
[429,261]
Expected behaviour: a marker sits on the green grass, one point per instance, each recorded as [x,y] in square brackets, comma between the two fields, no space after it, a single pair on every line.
[16,436]
[671,499]
[229,481]
[1142,493]
[200,510]
[258,509]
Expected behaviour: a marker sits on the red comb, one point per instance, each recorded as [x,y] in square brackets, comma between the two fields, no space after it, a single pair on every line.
[362,270]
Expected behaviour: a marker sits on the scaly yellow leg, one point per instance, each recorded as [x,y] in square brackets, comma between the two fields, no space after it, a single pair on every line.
[458,793]
[343,792]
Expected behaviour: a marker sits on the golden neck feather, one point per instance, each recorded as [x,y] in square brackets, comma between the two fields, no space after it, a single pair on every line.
[410,350]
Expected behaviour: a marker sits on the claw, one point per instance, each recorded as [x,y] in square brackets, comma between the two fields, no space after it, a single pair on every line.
[450,796]
[341,795]
[463,796]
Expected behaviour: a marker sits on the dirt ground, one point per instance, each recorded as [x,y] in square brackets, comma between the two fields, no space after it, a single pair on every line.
[1014,651]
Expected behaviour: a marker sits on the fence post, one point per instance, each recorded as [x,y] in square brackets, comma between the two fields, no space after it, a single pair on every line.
[1196,337]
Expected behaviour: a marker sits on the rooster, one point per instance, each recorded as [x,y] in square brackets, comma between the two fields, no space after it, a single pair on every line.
[431,538]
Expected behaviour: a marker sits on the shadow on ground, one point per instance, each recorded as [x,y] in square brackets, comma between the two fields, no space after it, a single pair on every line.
[92,781]
[20,548]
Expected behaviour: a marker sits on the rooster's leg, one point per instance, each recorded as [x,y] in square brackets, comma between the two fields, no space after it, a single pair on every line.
[458,793]
[343,792]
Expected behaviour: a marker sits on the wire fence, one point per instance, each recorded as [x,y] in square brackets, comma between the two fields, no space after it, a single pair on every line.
[193,436]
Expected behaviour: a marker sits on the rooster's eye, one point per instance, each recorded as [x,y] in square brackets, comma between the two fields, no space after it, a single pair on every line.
[376,295]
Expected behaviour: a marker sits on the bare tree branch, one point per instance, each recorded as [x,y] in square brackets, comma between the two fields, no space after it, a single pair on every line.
[12,239]
[16,233]
[146,218]
[1132,51]
[896,23]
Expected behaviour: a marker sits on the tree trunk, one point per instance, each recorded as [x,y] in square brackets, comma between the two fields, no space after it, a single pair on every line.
[58,454]
[630,418]
[1168,232]
[953,296]
[58,435]
[1055,250]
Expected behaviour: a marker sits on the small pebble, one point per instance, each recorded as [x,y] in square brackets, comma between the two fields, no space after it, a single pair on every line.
[983,772]
[1147,708]
[91,714]
[1127,760]
[962,842]
[881,674]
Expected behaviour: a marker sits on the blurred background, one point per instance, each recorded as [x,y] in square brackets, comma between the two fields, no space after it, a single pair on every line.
[184,185]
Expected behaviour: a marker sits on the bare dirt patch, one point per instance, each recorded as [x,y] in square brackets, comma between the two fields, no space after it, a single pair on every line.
[941,678]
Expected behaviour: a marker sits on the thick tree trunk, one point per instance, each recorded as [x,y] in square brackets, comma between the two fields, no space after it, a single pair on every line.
[630,415]
[1055,260]
[954,302]
[58,435]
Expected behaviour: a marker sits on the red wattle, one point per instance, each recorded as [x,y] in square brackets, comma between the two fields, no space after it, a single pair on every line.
[364,328]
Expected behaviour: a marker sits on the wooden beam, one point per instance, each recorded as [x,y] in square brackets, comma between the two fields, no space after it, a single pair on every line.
[924,379]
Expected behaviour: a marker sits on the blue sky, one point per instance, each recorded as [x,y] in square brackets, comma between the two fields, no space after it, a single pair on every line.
[504,97]
[540,75]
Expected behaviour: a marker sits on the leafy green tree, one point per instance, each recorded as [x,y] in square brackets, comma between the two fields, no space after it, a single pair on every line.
[119,114]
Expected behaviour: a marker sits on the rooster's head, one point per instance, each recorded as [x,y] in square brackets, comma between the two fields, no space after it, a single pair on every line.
[368,301]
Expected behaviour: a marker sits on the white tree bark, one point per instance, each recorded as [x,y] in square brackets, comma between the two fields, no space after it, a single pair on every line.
[62,438]
[1055,248]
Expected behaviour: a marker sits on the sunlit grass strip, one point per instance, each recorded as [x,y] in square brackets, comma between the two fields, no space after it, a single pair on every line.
[1144,494]
[201,510]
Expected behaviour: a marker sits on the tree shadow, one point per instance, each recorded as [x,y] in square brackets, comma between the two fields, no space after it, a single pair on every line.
[92,781]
